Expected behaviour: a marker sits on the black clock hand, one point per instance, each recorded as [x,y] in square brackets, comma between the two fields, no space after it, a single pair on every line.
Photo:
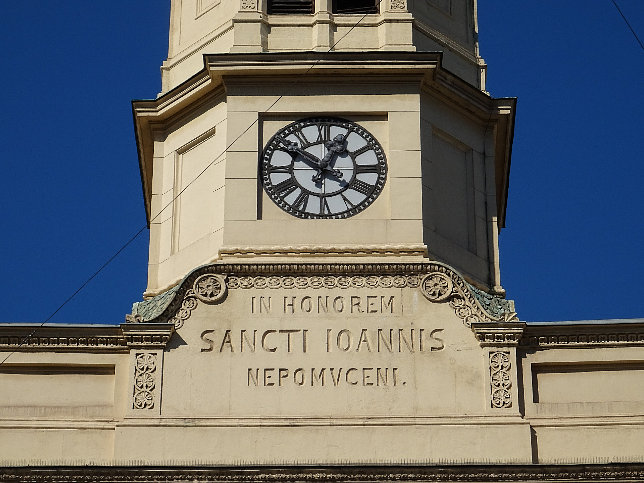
[335,147]
[294,148]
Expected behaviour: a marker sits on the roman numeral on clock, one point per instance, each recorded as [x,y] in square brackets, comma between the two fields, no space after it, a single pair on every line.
[347,202]
[366,168]
[285,187]
[324,132]
[361,150]
[324,206]
[301,201]
[361,187]
[279,169]
[302,139]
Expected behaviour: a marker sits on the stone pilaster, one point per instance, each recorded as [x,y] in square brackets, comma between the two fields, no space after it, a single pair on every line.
[499,341]
[146,343]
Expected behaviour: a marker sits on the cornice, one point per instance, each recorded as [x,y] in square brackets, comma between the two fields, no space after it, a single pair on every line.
[573,335]
[446,41]
[315,63]
[83,338]
[324,250]
[506,334]
[152,336]
[18,337]
[340,473]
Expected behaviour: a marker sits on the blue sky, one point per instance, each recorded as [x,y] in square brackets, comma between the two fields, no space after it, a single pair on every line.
[572,248]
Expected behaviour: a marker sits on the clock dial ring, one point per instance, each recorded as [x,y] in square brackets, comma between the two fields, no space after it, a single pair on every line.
[323,167]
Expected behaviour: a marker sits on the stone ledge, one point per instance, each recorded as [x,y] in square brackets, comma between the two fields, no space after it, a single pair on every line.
[348,473]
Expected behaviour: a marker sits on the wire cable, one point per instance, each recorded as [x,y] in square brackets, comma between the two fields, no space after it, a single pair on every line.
[26,338]
[628,24]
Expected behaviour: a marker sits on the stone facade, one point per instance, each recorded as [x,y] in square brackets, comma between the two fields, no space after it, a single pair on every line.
[371,342]
[333,361]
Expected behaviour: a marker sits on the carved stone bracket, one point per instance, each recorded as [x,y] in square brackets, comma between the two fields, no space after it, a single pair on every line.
[500,379]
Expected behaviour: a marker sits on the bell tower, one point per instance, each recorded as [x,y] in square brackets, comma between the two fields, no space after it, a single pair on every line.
[237,156]
[199,27]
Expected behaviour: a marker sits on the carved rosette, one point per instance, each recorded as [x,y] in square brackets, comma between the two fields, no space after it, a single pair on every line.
[145,367]
[210,288]
[500,382]
[436,287]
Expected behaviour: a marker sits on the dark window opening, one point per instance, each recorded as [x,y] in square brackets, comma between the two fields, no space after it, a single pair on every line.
[355,6]
[290,6]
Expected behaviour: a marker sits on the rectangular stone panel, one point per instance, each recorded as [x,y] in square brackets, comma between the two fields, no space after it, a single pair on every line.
[70,391]
[588,383]
[323,347]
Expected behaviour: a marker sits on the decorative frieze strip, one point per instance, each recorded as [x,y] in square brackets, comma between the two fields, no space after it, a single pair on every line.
[500,382]
[324,282]
[145,368]
[14,337]
[210,284]
[562,334]
[411,472]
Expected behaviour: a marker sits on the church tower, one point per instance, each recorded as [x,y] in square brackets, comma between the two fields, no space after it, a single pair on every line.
[422,155]
[324,181]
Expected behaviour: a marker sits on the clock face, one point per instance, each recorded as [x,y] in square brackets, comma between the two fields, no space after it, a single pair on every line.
[323,168]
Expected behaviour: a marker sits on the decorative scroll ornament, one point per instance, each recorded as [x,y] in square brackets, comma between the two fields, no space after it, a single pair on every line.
[148,309]
[500,382]
[209,284]
[144,380]
[248,5]
[469,303]
[208,288]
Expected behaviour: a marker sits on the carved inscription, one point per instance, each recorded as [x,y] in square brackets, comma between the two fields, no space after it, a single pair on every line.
[324,304]
[376,340]
[403,341]
[325,377]
[356,339]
